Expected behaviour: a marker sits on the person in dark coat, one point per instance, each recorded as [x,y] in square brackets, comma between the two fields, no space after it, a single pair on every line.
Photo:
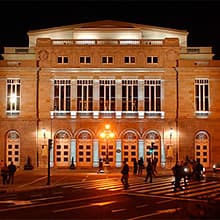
[125,174]
[178,174]
[155,161]
[149,170]
[140,166]
[198,170]
[11,172]
[135,167]
[4,174]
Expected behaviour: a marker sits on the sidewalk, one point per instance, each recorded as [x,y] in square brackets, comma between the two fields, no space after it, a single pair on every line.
[38,178]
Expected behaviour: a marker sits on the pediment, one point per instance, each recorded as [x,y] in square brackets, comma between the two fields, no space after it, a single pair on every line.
[108,29]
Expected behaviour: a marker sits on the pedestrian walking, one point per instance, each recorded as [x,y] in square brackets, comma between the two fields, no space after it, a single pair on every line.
[125,174]
[198,170]
[155,161]
[149,170]
[177,171]
[4,173]
[135,167]
[11,171]
[140,166]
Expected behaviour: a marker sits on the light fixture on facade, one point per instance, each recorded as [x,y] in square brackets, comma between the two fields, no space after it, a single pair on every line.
[171,133]
[44,132]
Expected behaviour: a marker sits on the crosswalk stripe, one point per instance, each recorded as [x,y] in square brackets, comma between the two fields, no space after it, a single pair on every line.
[193,188]
[202,192]
[159,186]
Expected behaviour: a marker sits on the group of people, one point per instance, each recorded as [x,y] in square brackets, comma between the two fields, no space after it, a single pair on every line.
[186,170]
[138,166]
[7,172]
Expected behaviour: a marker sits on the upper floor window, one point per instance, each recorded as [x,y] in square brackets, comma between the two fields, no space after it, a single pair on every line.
[84,95]
[152,95]
[152,59]
[129,95]
[62,59]
[129,59]
[107,95]
[85,59]
[62,95]
[202,94]
[13,95]
[107,59]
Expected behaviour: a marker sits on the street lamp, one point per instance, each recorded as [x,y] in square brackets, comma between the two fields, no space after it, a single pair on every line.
[106,135]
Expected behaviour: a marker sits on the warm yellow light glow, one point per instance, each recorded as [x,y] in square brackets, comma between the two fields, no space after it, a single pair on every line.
[171,132]
[107,126]
[102,135]
[111,135]
[107,133]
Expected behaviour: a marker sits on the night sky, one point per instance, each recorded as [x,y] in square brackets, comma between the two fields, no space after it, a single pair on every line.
[201,18]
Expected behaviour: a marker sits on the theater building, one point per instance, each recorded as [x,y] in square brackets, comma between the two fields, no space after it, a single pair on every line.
[109,89]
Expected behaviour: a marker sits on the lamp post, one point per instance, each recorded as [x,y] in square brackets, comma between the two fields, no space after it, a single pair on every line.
[106,135]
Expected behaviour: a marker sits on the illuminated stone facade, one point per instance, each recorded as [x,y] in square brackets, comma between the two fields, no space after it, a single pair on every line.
[144,81]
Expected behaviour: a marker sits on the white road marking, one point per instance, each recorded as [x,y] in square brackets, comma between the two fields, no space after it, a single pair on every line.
[84,206]
[155,213]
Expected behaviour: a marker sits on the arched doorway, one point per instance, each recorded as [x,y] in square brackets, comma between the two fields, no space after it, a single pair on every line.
[202,148]
[13,148]
[84,149]
[130,147]
[152,146]
[62,149]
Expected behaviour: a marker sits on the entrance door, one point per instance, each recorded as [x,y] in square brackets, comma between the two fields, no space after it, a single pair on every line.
[108,148]
[152,146]
[130,148]
[13,148]
[84,158]
[130,152]
[202,148]
[62,150]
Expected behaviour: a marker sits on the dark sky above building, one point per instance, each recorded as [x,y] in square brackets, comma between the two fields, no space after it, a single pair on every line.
[201,18]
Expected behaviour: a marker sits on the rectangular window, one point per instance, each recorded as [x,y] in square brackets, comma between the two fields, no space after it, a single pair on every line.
[129,95]
[129,59]
[62,59]
[107,95]
[107,59]
[152,59]
[202,94]
[152,95]
[62,95]
[85,59]
[84,95]
[13,95]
